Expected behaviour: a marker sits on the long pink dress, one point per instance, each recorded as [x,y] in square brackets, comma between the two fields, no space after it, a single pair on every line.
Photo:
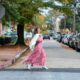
[37,56]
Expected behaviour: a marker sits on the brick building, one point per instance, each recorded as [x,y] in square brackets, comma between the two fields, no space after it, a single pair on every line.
[0,28]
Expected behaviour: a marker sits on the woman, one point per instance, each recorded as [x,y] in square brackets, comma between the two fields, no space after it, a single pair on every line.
[37,56]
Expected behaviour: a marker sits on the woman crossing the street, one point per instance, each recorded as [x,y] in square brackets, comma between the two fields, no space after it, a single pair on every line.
[37,56]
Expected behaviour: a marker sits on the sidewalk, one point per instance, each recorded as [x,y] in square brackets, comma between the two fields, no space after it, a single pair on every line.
[8,53]
[18,63]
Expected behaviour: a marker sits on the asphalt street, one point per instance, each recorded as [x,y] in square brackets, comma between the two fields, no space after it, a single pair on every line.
[58,57]
[63,64]
[39,75]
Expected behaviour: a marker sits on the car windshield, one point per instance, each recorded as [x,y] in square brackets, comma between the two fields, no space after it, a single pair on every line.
[10,33]
[68,35]
[45,34]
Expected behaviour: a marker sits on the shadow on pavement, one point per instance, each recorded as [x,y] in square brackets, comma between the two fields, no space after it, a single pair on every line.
[72,70]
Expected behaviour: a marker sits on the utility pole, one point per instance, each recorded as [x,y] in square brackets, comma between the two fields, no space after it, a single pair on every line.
[74,5]
[35,20]
[74,18]
[64,22]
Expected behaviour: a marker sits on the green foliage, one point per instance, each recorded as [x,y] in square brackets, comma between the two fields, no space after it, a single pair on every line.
[3,60]
[20,10]
[69,22]
[14,41]
[23,11]
[64,1]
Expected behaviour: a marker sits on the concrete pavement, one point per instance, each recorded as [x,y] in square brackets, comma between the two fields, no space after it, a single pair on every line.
[57,57]
[9,54]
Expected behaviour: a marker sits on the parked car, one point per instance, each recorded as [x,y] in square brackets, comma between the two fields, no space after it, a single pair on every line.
[66,38]
[61,37]
[27,35]
[46,36]
[2,40]
[72,41]
[12,35]
[55,36]
[7,37]
[77,42]
[51,33]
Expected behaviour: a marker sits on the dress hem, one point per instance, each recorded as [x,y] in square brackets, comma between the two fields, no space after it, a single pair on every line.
[33,64]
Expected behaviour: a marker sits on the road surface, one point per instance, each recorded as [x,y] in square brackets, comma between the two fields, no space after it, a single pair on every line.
[63,64]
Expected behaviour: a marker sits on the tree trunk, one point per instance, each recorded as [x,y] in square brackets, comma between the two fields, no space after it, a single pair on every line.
[36,21]
[20,33]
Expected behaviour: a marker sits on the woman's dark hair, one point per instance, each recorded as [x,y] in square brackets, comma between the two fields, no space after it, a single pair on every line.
[36,30]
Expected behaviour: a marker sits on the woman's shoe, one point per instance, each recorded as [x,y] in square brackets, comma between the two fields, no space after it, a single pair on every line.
[44,67]
[29,66]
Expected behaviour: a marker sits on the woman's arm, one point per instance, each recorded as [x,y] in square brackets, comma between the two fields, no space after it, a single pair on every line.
[33,41]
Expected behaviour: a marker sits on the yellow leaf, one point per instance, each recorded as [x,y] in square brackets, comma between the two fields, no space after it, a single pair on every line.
[67,1]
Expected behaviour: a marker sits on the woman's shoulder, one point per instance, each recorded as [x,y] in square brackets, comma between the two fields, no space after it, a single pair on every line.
[40,35]
[37,34]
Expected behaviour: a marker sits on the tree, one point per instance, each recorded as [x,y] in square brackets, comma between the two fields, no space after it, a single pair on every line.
[69,23]
[22,11]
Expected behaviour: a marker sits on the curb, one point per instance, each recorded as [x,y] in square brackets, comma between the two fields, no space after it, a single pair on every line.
[21,53]
[10,62]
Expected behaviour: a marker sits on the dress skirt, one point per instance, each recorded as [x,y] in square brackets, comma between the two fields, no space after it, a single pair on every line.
[37,56]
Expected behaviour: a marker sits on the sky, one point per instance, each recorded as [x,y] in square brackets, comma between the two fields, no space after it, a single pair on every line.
[45,11]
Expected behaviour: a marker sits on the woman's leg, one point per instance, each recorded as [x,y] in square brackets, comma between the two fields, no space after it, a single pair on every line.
[29,66]
[45,67]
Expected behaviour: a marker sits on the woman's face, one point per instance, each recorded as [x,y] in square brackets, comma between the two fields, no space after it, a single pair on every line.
[38,30]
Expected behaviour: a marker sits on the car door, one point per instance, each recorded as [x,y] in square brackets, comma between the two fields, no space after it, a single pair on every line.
[78,41]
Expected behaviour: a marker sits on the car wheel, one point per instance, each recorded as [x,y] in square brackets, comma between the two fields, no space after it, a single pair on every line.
[69,45]
[76,47]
